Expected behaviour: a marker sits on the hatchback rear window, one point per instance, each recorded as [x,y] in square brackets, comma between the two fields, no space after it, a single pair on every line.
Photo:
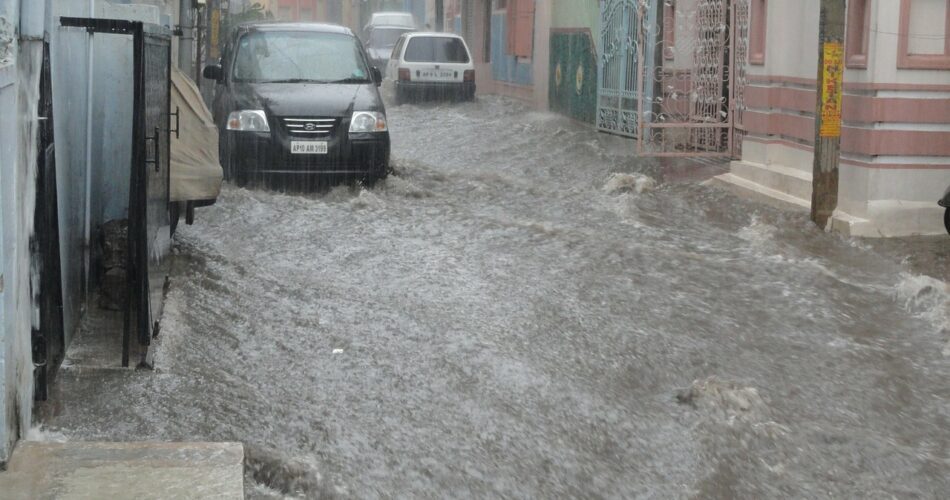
[438,49]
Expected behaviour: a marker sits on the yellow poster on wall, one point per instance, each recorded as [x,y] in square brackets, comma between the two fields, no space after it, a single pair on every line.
[215,33]
[831,89]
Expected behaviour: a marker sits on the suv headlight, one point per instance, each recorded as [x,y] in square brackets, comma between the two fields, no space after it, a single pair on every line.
[248,120]
[368,121]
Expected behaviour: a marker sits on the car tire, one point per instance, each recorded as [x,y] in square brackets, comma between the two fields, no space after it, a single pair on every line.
[224,152]
[370,180]
[401,97]
[240,179]
[946,219]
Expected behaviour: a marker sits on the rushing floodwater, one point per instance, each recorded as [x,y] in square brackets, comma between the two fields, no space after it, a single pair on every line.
[507,317]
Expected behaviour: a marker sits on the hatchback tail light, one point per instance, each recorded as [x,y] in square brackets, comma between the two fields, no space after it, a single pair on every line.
[469,75]
[404,75]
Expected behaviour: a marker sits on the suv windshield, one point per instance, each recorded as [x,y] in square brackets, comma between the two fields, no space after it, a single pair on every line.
[283,56]
[436,49]
[393,19]
[385,37]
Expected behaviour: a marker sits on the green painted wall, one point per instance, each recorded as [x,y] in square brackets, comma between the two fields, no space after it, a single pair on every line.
[572,89]
[572,82]
[574,43]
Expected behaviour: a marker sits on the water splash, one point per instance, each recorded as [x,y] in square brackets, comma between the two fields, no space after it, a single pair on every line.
[39,434]
[758,232]
[366,199]
[274,475]
[629,183]
[727,401]
[926,297]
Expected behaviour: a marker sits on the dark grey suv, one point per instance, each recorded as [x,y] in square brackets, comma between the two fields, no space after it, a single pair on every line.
[298,102]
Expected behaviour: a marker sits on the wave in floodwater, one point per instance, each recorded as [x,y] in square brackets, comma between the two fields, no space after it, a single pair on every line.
[926,297]
[273,475]
[39,434]
[628,183]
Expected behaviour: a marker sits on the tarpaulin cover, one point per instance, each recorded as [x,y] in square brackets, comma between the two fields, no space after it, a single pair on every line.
[195,171]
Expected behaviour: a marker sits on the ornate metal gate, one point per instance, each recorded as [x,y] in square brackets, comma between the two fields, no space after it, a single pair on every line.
[672,74]
[618,67]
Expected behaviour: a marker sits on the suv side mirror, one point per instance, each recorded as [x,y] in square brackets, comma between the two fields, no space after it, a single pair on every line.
[377,76]
[212,72]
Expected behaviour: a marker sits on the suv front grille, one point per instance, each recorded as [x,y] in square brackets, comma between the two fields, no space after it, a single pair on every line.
[310,127]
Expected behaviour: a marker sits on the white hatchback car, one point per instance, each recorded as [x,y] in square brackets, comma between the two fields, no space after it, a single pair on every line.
[431,65]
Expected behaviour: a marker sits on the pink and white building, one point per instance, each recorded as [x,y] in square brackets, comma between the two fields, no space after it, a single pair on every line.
[895,142]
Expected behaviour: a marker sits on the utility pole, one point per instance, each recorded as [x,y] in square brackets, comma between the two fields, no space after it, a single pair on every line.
[439,15]
[186,48]
[199,43]
[824,196]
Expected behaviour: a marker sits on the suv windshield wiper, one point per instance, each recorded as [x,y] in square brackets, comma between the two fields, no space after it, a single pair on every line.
[308,80]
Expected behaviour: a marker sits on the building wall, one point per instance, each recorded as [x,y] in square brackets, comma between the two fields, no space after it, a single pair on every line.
[7,153]
[20,65]
[896,133]
[418,9]
[505,67]
[501,72]
[9,325]
[70,58]
[302,10]
[111,146]
[583,14]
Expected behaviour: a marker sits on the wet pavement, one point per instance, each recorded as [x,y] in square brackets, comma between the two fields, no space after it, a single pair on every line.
[518,312]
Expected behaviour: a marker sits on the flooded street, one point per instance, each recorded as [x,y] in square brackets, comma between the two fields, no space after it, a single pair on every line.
[526,309]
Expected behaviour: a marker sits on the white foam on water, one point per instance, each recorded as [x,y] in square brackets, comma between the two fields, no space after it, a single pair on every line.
[757,232]
[402,187]
[367,199]
[926,297]
[38,434]
[628,183]
[626,208]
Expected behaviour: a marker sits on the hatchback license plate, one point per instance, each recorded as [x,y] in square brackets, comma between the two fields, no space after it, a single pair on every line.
[308,147]
[435,74]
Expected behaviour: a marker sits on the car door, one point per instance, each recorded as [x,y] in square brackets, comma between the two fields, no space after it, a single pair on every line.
[223,102]
[220,106]
[392,67]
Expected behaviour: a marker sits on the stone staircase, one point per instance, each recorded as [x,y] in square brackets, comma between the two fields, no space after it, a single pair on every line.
[139,470]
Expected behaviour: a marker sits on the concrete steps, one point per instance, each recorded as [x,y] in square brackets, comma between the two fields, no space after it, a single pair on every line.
[752,190]
[791,181]
[42,470]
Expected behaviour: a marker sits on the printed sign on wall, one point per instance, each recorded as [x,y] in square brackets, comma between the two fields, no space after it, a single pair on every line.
[832,75]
